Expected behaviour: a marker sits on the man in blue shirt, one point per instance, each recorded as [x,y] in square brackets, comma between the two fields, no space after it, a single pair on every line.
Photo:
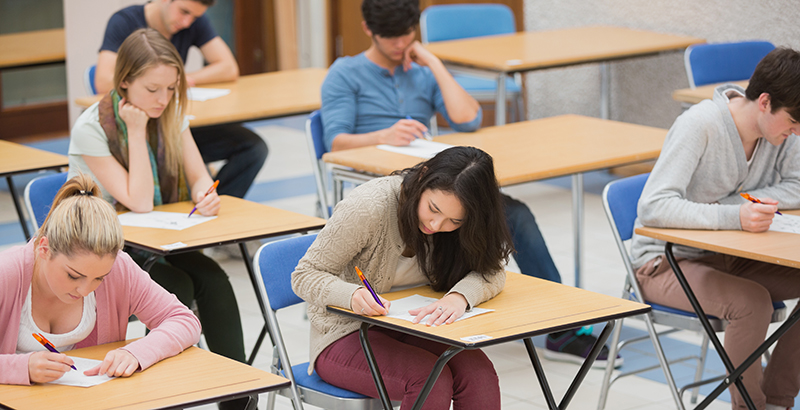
[183,23]
[387,95]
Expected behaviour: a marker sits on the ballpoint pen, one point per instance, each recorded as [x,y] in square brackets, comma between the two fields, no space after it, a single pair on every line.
[210,190]
[425,134]
[367,285]
[754,200]
[49,346]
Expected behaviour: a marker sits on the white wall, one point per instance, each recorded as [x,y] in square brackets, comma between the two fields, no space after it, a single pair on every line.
[641,88]
[84,25]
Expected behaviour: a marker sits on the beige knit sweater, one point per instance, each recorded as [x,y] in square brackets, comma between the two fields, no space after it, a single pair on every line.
[362,232]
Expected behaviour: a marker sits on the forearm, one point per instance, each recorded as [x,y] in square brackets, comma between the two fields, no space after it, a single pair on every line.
[461,107]
[219,72]
[140,177]
[348,141]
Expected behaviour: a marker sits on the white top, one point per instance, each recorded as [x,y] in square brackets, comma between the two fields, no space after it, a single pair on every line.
[408,274]
[63,341]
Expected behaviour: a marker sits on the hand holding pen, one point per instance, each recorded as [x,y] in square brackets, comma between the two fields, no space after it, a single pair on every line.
[425,133]
[44,367]
[755,200]
[362,298]
[200,200]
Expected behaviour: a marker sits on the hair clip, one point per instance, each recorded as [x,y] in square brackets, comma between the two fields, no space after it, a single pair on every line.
[84,192]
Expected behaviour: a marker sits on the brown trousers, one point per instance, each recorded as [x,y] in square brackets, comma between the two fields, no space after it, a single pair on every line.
[740,291]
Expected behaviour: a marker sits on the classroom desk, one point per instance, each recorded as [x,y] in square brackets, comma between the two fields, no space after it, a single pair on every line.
[526,307]
[691,96]
[19,159]
[32,48]
[498,56]
[253,97]
[238,221]
[524,152]
[772,247]
[192,378]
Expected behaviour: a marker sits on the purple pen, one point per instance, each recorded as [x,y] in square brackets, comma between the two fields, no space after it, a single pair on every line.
[367,285]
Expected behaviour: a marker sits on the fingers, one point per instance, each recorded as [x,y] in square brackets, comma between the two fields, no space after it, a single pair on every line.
[209,205]
[44,367]
[756,217]
[117,363]
[364,304]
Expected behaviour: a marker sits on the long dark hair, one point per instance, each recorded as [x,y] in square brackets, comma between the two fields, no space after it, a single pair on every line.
[482,243]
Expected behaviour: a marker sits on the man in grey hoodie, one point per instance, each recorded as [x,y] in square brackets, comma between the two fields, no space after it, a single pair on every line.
[741,141]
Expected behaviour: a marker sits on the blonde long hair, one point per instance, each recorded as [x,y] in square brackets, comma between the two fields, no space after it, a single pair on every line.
[80,220]
[144,49]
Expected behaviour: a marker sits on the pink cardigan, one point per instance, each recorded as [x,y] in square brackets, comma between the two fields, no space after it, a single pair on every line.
[126,291]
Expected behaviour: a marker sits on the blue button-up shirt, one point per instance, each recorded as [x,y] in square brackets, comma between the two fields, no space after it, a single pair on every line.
[358,97]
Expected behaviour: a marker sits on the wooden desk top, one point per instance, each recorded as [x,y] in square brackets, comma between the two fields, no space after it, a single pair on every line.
[253,97]
[533,50]
[706,92]
[532,150]
[779,248]
[18,159]
[238,220]
[32,48]
[191,378]
[526,307]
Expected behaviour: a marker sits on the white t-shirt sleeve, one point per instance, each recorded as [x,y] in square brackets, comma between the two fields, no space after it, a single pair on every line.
[88,137]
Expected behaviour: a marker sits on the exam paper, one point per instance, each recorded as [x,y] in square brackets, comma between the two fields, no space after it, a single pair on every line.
[77,378]
[785,223]
[176,221]
[400,307]
[203,94]
[418,148]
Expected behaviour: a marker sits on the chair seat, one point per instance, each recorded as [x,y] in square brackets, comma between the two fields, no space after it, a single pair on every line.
[470,83]
[314,382]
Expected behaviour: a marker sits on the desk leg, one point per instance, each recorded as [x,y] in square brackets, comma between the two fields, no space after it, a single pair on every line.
[254,281]
[148,263]
[711,335]
[577,224]
[537,367]
[18,207]
[376,374]
[500,100]
[605,90]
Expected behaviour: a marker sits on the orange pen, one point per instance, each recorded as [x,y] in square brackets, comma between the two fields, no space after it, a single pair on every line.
[210,190]
[49,346]
[754,200]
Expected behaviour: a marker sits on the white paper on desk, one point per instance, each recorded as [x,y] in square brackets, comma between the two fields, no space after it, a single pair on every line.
[203,94]
[785,223]
[418,148]
[176,221]
[400,307]
[77,378]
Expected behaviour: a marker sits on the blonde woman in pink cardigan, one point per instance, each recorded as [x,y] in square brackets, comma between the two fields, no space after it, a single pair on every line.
[73,284]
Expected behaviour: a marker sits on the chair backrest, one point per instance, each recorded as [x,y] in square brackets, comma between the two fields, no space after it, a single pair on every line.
[455,21]
[316,148]
[274,263]
[39,196]
[716,63]
[88,80]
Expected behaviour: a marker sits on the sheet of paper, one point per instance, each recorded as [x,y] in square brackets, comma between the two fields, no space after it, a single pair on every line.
[418,148]
[203,94]
[785,223]
[77,378]
[163,220]
[400,308]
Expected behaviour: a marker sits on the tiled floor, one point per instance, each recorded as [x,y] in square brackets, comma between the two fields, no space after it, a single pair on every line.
[286,182]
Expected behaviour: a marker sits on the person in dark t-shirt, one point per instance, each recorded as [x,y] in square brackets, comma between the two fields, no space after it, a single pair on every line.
[184,24]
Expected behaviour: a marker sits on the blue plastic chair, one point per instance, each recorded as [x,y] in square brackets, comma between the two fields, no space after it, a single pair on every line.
[274,263]
[723,62]
[458,21]
[316,148]
[39,196]
[88,80]
[620,201]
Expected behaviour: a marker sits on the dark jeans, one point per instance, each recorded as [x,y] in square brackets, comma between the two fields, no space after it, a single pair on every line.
[244,150]
[192,276]
[531,255]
